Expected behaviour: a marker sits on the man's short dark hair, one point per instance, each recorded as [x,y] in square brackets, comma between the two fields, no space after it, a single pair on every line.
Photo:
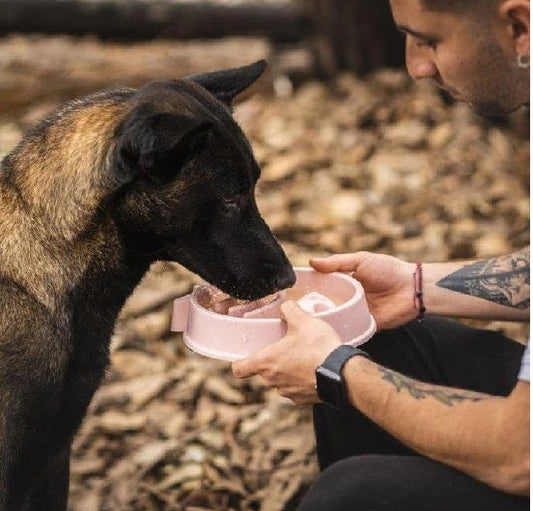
[457,5]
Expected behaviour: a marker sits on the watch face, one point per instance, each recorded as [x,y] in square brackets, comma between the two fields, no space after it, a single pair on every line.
[330,387]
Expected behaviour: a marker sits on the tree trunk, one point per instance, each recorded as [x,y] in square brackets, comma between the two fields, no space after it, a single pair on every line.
[357,35]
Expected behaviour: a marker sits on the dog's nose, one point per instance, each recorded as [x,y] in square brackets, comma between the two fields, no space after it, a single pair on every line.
[285,280]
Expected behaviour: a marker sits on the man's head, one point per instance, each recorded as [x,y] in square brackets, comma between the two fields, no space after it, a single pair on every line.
[475,49]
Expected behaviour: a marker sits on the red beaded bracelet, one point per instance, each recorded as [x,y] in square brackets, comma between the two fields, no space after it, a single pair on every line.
[418,298]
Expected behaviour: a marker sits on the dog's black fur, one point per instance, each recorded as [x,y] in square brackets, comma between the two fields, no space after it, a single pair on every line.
[88,200]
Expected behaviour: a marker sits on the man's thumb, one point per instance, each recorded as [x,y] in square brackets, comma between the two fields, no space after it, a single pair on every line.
[293,314]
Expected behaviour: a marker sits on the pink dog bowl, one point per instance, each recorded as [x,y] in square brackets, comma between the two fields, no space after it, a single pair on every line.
[234,338]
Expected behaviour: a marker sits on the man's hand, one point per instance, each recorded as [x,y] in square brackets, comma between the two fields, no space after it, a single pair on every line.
[289,364]
[387,281]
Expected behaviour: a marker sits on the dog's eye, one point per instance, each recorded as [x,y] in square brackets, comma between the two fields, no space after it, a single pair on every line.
[229,201]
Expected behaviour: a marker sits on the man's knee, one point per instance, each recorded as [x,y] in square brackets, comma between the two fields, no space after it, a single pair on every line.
[358,483]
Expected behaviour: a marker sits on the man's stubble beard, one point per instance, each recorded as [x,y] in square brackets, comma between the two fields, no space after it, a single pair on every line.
[500,85]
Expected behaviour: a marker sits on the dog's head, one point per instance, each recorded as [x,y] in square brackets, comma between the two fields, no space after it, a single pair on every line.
[188,176]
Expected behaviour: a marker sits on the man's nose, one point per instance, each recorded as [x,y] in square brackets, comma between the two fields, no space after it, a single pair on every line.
[419,61]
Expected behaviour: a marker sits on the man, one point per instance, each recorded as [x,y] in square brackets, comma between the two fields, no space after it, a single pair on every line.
[432,415]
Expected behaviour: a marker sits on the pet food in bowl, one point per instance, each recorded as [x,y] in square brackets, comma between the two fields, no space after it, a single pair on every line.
[218,326]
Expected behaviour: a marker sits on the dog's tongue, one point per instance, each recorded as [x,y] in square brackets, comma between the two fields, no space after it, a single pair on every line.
[223,303]
[216,295]
[267,307]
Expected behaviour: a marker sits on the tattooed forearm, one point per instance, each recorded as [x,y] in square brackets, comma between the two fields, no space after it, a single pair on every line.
[503,280]
[420,390]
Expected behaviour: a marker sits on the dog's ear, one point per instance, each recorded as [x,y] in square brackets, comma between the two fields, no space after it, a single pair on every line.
[156,145]
[228,83]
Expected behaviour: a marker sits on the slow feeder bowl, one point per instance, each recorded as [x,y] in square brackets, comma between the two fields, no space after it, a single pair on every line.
[233,338]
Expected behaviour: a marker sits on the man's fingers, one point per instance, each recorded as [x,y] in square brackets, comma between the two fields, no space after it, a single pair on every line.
[337,262]
[245,368]
[255,363]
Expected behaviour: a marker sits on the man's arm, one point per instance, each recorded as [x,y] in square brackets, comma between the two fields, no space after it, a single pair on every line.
[495,288]
[491,288]
[484,436]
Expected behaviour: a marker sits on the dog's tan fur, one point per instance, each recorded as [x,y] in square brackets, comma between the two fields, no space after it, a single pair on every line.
[58,184]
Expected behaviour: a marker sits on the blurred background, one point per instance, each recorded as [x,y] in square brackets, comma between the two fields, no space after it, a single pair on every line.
[354,156]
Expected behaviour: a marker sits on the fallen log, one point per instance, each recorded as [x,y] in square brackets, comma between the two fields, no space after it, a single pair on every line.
[144,20]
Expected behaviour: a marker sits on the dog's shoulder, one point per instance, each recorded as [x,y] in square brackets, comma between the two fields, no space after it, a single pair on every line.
[22,317]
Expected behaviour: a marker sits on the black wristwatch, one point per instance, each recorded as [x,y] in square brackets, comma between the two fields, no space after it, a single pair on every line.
[330,385]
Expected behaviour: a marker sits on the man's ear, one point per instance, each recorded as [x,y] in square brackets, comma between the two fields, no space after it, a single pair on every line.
[156,145]
[517,13]
[228,83]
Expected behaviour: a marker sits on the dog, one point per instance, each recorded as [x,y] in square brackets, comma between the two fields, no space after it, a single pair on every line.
[91,196]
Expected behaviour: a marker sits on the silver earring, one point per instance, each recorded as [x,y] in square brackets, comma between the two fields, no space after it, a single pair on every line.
[522,61]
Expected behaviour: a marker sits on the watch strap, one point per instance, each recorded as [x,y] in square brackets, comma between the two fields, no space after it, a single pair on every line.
[336,360]
[331,387]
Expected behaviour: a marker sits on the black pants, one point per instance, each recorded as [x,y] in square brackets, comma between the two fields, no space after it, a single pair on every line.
[366,469]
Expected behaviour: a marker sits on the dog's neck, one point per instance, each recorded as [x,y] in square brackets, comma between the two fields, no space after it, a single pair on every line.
[99,295]
[66,277]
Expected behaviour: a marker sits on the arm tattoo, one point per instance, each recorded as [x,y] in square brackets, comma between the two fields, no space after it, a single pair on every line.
[419,390]
[503,280]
